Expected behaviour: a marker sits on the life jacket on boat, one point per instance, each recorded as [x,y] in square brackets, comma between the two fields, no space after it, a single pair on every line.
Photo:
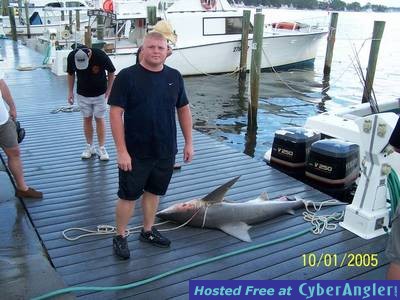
[108,6]
[286,25]
[208,4]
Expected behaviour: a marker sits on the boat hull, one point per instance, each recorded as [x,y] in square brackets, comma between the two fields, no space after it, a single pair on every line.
[224,57]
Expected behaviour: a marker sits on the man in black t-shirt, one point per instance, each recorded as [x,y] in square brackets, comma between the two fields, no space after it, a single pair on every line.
[93,88]
[143,102]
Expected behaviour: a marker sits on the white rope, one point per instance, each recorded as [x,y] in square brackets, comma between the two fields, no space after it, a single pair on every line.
[279,76]
[205,214]
[321,223]
[109,229]
[356,53]
[31,67]
[204,73]
[67,108]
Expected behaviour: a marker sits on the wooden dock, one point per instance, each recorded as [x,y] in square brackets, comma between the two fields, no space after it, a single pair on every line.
[83,193]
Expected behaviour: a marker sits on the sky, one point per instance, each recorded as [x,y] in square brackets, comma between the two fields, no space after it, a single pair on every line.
[389,3]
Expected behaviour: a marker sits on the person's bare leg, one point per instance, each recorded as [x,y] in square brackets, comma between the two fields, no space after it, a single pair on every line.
[88,129]
[150,206]
[15,166]
[393,272]
[101,131]
[123,213]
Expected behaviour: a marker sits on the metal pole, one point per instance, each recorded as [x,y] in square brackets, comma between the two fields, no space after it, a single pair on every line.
[245,44]
[78,20]
[70,20]
[100,28]
[377,34]
[152,15]
[331,44]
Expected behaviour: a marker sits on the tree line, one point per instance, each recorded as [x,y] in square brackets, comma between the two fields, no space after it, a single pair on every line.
[315,4]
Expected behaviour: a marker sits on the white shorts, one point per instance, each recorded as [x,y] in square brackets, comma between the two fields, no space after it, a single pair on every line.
[92,106]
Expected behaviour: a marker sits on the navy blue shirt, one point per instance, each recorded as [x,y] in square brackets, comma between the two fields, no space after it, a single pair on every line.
[149,100]
[92,82]
[395,137]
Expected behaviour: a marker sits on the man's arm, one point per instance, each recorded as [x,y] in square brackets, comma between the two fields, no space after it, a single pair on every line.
[118,132]
[5,92]
[185,121]
[110,81]
[71,82]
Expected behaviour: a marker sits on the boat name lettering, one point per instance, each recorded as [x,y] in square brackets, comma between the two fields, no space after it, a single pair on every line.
[237,49]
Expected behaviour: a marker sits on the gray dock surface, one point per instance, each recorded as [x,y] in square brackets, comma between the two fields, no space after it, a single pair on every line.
[81,193]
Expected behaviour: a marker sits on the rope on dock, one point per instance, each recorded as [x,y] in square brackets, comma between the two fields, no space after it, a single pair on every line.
[321,223]
[67,108]
[31,67]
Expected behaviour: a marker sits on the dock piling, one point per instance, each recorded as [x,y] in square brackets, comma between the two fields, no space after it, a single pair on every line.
[331,43]
[255,67]
[244,45]
[377,34]
[12,23]
[28,24]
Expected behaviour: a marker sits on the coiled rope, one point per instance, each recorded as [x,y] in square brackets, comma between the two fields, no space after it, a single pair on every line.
[321,223]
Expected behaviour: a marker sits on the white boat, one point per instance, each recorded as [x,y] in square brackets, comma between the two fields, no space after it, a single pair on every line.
[209,37]
[47,15]
[369,127]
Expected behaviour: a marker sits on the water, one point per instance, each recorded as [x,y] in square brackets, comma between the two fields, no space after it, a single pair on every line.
[292,96]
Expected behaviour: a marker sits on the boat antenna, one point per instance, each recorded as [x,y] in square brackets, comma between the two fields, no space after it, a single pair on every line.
[358,68]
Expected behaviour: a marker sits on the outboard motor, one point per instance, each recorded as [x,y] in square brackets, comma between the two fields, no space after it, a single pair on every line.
[291,147]
[333,166]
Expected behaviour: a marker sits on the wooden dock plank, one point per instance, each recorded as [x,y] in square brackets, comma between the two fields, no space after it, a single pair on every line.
[83,193]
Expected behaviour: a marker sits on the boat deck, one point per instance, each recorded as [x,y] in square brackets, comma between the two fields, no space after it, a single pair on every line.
[83,194]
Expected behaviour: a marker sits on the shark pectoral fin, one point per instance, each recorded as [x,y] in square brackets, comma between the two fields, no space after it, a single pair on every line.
[291,212]
[239,230]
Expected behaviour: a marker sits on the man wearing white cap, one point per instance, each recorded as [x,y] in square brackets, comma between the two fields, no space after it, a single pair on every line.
[143,102]
[93,88]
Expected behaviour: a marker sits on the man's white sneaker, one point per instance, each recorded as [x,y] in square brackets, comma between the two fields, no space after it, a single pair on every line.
[103,155]
[88,152]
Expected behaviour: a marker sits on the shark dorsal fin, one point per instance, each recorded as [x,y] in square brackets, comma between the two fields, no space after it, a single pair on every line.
[218,194]
[264,196]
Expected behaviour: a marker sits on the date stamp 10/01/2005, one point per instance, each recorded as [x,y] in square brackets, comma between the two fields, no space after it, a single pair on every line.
[340,260]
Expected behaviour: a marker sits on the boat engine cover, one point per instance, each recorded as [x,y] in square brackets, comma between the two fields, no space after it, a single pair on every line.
[333,162]
[291,146]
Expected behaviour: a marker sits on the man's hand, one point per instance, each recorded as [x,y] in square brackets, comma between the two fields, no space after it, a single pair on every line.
[188,153]
[71,98]
[124,161]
